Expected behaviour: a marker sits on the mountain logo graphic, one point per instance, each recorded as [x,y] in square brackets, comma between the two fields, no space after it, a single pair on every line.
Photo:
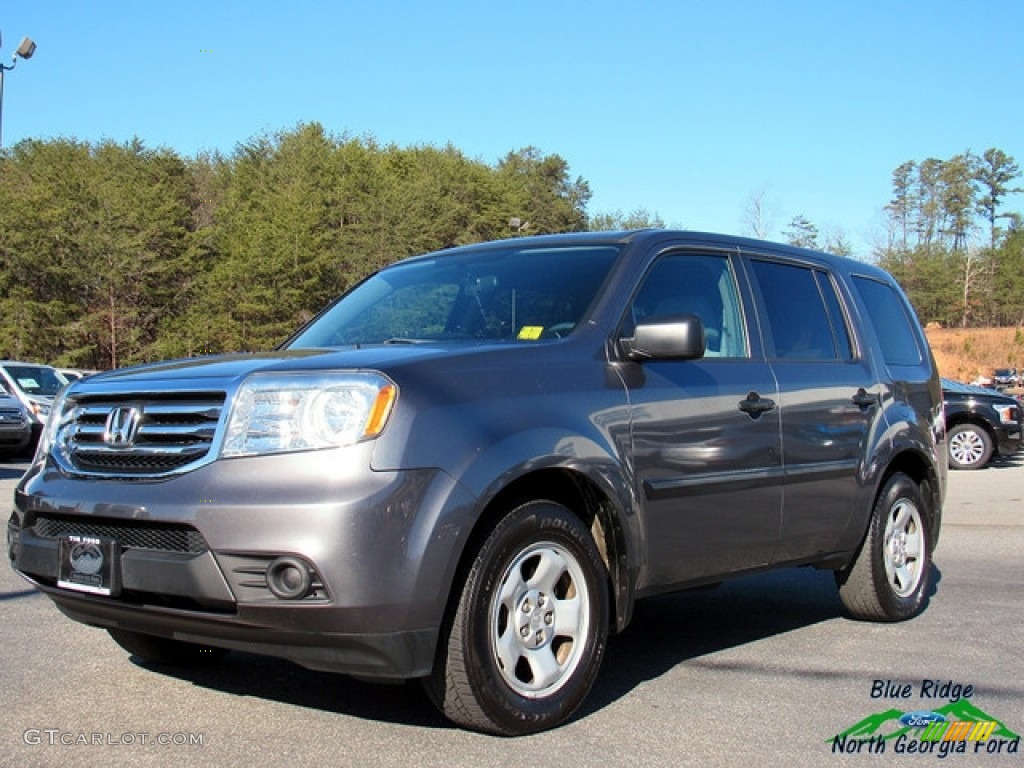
[893,723]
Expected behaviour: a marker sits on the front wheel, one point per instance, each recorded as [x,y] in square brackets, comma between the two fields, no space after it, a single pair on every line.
[530,628]
[891,577]
[970,447]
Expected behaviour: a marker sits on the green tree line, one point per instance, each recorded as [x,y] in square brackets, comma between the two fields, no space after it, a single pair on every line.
[112,254]
[950,243]
[948,240]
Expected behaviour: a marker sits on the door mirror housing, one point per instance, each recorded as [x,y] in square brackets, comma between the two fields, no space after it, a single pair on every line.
[670,337]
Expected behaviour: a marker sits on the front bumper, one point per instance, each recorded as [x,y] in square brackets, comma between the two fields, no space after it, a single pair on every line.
[15,438]
[1008,439]
[265,631]
[381,550]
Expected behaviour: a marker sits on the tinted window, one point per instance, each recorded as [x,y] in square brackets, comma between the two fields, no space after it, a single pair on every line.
[836,316]
[893,326]
[803,314]
[699,285]
[518,294]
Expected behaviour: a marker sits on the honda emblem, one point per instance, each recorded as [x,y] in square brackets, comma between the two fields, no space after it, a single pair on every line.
[122,426]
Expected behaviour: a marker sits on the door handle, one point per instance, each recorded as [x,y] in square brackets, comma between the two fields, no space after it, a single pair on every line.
[865,400]
[755,405]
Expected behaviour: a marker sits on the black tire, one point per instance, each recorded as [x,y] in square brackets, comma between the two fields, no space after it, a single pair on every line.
[163,650]
[970,447]
[891,577]
[530,628]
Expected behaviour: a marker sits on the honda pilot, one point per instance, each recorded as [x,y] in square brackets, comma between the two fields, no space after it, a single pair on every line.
[471,467]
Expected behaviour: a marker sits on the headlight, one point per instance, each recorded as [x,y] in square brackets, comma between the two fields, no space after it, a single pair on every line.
[52,418]
[277,413]
[40,409]
[1007,413]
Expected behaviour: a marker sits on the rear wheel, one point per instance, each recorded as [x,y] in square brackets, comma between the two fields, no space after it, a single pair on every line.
[163,650]
[530,628]
[891,577]
[970,447]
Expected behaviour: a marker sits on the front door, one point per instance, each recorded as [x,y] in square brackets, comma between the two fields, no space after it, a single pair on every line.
[706,441]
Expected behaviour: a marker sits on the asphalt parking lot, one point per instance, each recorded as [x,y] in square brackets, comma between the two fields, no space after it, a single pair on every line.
[763,670]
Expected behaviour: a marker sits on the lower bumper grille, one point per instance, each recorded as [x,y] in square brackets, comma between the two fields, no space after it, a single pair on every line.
[168,537]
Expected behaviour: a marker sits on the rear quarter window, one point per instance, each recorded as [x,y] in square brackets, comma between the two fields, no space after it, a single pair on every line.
[889,315]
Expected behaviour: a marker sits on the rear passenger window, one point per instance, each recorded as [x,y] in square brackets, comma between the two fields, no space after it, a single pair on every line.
[804,316]
[887,312]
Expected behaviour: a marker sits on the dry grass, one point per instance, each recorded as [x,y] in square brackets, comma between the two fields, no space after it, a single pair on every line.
[965,353]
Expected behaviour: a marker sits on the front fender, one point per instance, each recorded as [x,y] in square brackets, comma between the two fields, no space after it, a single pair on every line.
[532,463]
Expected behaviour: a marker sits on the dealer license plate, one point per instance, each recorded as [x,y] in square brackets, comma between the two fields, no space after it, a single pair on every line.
[88,564]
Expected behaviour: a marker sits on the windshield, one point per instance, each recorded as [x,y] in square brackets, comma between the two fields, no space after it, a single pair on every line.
[518,294]
[36,379]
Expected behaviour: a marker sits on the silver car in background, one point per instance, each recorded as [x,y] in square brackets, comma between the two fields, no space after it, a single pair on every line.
[34,385]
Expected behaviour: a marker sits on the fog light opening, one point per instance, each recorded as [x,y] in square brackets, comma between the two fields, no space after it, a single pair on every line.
[288,578]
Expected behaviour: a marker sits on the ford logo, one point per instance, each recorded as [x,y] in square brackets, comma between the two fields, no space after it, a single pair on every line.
[922,718]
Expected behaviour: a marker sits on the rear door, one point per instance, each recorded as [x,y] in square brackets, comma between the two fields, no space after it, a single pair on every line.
[828,396]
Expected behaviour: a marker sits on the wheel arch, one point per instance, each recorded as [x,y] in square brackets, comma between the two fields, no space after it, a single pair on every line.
[966,417]
[584,497]
[919,469]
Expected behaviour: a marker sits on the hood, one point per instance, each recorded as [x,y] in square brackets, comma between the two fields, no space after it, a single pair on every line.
[954,390]
[218,372]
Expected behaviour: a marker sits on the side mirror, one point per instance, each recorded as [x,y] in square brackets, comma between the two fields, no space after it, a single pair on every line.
[670,337]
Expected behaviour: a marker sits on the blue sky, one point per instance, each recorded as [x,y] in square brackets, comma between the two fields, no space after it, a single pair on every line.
[687,109]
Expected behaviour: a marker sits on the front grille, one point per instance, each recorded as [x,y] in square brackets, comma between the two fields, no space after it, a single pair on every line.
[12,417]
[139,436]
[169,537]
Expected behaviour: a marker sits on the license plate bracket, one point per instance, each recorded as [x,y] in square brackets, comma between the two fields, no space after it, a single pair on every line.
[89,564]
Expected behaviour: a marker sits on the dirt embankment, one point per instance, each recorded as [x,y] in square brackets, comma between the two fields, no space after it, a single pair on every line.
[964,354]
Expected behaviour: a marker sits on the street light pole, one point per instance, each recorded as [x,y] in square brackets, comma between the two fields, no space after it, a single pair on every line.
[25,51]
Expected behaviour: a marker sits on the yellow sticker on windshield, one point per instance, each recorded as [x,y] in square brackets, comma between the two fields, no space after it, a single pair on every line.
[531,331]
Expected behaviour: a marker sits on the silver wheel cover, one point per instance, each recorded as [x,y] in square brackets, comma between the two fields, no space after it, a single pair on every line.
[903,548]
[539,620]
[966,447]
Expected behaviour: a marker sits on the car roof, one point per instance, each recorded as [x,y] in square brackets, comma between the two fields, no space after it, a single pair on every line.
[651,236]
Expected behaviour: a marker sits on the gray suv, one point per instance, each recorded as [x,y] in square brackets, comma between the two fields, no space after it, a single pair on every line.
[15,426]
[471,466]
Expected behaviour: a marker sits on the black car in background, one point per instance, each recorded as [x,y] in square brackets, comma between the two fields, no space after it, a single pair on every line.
[981,423]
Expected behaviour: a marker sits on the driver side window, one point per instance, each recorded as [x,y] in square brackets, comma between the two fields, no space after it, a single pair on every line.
[700,285]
